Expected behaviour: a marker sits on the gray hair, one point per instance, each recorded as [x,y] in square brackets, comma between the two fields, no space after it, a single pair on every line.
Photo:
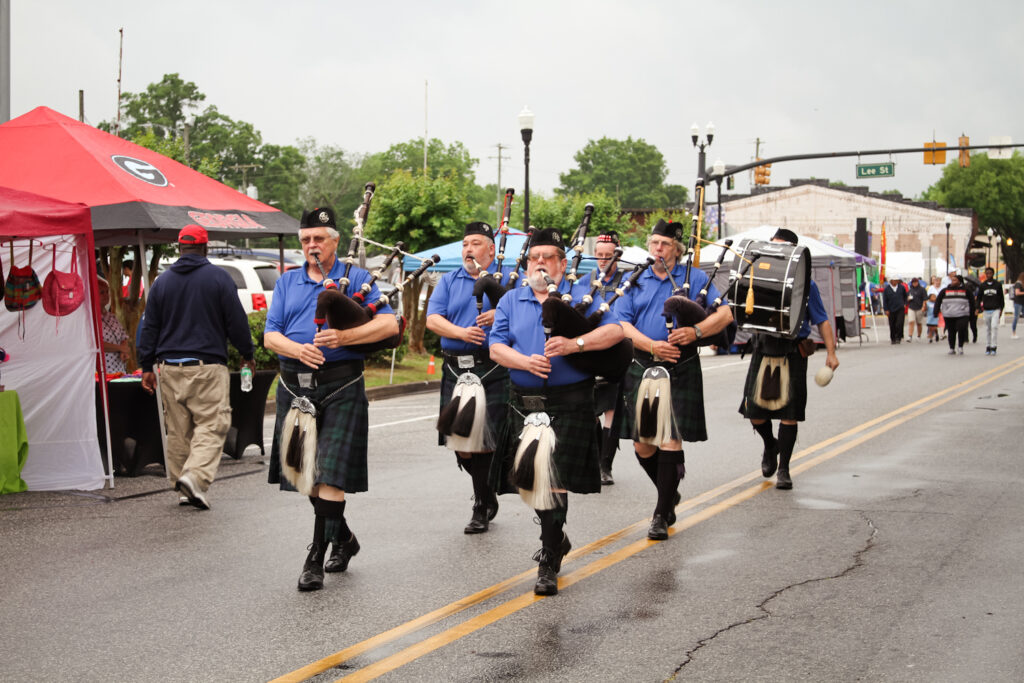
[331,232]
[680,247]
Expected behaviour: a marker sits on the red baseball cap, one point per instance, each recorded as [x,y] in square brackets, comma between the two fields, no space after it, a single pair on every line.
[193,234]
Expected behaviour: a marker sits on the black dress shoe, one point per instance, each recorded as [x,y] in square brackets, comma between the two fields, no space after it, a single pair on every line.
[341,553]
[659,528]
[479,523]
[782,481]
[606,474]
[312,577]
[492,509]
[770,459]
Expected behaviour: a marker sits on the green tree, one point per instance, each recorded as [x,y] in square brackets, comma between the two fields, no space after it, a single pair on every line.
[994,188]
[280,176]
[564,212]
[453,160]
[333,177]
[632,171]
[166,104]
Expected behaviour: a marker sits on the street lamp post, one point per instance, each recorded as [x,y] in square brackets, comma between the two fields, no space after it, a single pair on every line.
[719,170]
[949,219]
[709,134]
[526,128]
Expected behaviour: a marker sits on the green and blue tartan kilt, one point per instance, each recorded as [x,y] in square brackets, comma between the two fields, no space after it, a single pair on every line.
[687,396]
[607,395]
[794,410]
[342,426]
[496,384]
[577,437]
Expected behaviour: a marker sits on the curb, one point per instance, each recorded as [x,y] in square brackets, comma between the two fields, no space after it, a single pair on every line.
[386,391]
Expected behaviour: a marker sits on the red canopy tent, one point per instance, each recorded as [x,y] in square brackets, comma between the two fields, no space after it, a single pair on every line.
[133,193]
[53,361]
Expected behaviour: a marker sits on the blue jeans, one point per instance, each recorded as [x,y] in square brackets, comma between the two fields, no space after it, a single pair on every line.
[1018,312]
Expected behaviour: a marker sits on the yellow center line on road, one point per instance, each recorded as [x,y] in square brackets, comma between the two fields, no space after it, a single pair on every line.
[519,602]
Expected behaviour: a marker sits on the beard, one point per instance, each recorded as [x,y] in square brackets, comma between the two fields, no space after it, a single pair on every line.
[536,281]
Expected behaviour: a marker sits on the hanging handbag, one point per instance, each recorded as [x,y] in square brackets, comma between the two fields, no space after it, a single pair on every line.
[22,290]
[63,292]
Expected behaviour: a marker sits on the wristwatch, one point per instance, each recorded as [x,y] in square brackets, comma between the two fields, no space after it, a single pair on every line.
[697,332]
[579,344]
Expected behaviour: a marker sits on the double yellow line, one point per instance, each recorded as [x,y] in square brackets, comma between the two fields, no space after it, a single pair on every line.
[860,434]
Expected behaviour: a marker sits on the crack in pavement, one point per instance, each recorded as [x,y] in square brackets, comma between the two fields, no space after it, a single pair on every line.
[858,561]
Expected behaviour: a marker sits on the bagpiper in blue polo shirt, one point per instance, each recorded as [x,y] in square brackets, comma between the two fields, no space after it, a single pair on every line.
[517,325]
[453,299]
[643,305]
[294,304]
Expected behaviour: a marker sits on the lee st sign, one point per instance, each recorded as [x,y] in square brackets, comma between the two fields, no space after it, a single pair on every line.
[886,170]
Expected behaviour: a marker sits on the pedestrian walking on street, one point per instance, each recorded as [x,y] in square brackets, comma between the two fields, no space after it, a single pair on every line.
[917,296]
[956,305]
[1018,303]
[991,301]
[894,303]
[192,311]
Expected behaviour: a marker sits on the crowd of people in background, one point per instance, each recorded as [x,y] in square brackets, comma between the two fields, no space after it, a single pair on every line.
[948,308]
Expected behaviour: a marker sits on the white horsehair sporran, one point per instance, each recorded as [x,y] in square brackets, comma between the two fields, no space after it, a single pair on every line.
[533,470]
[655,421]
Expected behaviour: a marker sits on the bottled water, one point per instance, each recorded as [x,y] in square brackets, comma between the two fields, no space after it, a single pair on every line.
[246,376]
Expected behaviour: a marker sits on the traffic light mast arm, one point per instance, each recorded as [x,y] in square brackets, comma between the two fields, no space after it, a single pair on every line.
[733,170]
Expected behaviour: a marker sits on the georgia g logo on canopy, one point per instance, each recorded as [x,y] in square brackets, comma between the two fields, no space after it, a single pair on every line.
[143,170]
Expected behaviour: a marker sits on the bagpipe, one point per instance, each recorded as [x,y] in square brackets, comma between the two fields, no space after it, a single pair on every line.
[489,284]
[563,318]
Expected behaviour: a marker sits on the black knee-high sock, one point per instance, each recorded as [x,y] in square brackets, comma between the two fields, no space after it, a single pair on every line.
[671,469]
[319,547]
[481,471]
[552,521]
[650,465]
[465,464]
[609,444]
[787,440]
[336,529]
[765,431]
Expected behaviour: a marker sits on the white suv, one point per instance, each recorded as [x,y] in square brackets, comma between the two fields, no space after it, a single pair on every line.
[254,279]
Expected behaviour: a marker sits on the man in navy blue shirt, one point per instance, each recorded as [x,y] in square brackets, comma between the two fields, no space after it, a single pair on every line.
[544,382]
[608,390]
[463,321]
[319,366]
[766,346]
[643,320]
[192,309]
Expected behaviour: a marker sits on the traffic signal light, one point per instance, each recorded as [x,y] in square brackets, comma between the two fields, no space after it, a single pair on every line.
[730,183]
[767,174]
[936,153]
[965,154]
[762,174]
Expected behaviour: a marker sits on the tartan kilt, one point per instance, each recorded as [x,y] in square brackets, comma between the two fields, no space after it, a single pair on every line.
[577,439]
[794,410]
[342,428]
[495,379]
[687,396]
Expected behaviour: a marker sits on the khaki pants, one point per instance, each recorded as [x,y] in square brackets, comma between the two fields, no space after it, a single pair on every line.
[197,412]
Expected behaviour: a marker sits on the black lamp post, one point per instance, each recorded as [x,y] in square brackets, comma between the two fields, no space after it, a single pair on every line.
[526,128]
[709,134]
[719,170]
[949,219]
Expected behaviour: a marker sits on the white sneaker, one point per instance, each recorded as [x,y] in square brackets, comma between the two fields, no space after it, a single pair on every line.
[1014,336]
[191,491]
[960,351]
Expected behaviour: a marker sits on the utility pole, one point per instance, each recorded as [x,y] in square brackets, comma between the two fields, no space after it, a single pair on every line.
[244,168]
[757,155]
[5,61]
[499,157]
[120,65]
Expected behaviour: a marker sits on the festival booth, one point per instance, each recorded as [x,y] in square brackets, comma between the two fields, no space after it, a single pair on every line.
[135,197]
[833,268]
[53,359]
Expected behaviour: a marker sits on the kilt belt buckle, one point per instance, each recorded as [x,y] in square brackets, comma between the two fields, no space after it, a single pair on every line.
[465,362]
[468,378]
[534,404]
[307,380]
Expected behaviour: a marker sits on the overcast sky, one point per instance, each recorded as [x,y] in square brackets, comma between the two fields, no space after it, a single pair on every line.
[803,77]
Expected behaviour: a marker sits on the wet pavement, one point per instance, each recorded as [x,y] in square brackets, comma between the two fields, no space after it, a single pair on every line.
[896,556]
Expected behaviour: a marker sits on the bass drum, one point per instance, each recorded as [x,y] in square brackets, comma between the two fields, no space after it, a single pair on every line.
[781,283]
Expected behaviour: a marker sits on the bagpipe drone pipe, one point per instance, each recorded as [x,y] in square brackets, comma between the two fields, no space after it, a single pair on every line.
[682,311]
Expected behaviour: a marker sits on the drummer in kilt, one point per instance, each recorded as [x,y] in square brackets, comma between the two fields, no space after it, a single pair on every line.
[641,313]
[318,366]
[463,321]
[761,412]
[551,419]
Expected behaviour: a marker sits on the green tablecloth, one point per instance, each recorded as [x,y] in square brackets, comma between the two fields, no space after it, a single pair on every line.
[13,443]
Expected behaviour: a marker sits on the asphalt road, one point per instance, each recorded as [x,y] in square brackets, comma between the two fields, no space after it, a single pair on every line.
[896,557]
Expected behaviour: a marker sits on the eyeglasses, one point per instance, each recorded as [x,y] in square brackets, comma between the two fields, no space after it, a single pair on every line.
[546,258]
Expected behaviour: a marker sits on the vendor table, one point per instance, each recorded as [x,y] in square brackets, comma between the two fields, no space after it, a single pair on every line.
[13,443]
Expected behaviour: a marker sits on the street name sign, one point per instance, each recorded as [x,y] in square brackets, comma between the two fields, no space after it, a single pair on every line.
[886,170]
